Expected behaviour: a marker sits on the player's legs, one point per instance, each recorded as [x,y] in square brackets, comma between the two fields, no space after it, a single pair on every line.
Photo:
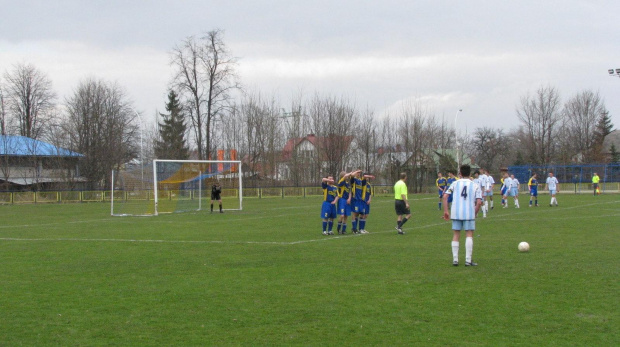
[219,201]
[456,236]
[469,247]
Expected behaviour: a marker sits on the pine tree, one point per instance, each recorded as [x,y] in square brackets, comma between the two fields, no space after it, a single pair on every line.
[615,155]
[172,142]
[603,128]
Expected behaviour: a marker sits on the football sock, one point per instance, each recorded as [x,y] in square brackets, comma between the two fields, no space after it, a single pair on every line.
[354,224]
[455,250]
[486,206]
[502,201]
[211,207]
[220,208]
[403,222]
[344,227]
[530,202]
[362,224]
[339,227]
[440,205]
[330,225]
[324,226]
[491,203]
[536,203]
[517,203]
[469,247]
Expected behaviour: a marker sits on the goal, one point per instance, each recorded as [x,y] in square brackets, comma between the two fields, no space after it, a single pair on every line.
[171,186]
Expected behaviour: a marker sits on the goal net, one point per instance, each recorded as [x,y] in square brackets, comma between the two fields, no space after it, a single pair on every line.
[171,186]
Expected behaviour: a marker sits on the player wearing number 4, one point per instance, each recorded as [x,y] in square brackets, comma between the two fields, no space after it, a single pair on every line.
[465,206]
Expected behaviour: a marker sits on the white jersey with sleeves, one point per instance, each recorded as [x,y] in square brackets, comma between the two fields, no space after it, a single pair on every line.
[490,182]
[552,183]
[515,183]
[464,195]
[483,181]
[507,182]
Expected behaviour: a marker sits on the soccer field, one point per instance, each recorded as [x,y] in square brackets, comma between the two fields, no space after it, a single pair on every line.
[70,274]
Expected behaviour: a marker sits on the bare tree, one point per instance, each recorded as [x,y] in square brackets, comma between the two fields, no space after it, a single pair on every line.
[487,145]
[367,139]
[581,113]
[540,115]
[332,121]
[101,124]
[2,112]
[30,99]
[205,77]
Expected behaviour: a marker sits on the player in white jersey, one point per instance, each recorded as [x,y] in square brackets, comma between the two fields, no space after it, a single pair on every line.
[489,189]
[514,188]
[506,183]
[553,186]
[476,180]
[483,184]
[467,198]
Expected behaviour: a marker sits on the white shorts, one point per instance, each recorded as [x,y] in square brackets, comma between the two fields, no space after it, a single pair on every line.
[551,192]
[458,224]
[488,193]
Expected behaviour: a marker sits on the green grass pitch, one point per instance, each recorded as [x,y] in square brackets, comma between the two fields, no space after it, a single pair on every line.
[72,275]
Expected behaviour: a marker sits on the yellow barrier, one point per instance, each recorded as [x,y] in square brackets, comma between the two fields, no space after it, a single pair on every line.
[270,192]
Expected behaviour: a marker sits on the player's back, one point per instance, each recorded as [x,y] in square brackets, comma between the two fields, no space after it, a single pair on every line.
[465,192]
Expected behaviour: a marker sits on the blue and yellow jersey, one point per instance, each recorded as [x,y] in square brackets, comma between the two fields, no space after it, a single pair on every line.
[450,180]
[344,189]
[357,187]
[501,180]
[441,183]
[330,192]
[367,192]
[532,183]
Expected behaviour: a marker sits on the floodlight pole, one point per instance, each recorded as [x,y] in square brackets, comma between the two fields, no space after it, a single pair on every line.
[456,133]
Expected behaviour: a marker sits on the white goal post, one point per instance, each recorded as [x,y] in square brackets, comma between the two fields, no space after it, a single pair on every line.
[170,186]
[198,172]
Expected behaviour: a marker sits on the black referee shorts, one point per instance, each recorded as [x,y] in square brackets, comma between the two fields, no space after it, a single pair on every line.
[401,208]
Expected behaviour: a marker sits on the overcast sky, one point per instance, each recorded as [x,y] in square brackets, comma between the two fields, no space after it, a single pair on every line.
[479,56]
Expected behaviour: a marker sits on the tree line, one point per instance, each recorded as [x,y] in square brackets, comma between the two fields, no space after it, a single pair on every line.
[208,109]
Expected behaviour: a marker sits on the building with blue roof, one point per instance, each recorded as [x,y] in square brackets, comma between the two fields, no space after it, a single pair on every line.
[29,164]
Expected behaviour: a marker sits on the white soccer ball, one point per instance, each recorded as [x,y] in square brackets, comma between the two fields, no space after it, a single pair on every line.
[524,246]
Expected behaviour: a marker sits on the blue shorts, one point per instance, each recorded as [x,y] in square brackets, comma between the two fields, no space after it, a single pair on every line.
[344,209]
[366,208]
[357,206]
[450,198]
[328,210]
[458,224]
[533,192]
[504,191]
[440,193]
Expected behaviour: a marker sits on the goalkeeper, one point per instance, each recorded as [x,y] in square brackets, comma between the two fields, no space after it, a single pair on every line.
[216,195]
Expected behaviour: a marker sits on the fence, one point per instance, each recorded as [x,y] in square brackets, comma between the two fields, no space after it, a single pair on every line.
[578,176]
[8,198]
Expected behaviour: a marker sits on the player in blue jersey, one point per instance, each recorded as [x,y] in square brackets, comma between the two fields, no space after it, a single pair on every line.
[532,184]
[344,207]
[441,184]
[328,208]
[358,185]
[367,194]
[465,207]
[449,181]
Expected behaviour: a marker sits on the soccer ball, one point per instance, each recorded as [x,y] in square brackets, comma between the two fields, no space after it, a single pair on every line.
[524,246]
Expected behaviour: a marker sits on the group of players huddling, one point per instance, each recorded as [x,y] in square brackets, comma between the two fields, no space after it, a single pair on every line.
[351,195]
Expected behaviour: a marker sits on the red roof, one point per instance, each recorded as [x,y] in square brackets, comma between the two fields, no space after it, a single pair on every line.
[291,144]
